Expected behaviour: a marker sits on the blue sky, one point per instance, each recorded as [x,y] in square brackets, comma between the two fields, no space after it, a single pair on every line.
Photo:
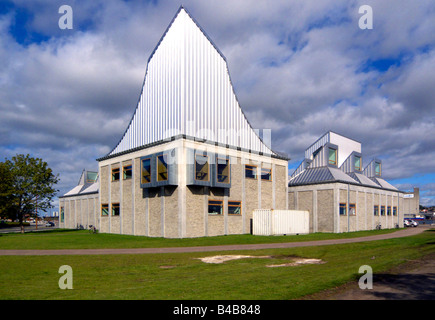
[300,68]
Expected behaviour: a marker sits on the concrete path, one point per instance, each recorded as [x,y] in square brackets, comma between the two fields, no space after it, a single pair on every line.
[401,233]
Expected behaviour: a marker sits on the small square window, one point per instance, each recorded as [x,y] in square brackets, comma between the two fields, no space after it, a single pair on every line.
[215,207]
[352,209]
[104,209]
[115,209]
[332,157]
[377,168]
[115,174]
[376,210]
[266,174]
[234,207]
[357,163]
[250,172]
[343,209]
[127,172]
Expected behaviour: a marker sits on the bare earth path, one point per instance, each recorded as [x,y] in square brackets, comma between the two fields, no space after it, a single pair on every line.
[401,233]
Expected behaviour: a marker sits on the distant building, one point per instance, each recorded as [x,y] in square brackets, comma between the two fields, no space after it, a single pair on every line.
[339,193]
[411,203]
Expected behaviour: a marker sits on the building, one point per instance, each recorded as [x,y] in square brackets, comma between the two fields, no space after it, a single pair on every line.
[411,203]
[339,193]
[189,163]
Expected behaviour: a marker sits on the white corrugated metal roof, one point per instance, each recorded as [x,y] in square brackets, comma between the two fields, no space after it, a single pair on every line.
[188,91]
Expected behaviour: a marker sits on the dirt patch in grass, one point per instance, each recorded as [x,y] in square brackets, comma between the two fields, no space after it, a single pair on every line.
[222,259]
[295,261]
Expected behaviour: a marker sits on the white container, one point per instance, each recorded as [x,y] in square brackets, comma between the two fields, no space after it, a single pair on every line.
[267,222]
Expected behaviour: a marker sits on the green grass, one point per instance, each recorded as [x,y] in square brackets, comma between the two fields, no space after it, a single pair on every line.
[82,239]
[141,276]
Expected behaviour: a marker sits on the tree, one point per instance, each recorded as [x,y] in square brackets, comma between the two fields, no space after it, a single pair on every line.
[28,185]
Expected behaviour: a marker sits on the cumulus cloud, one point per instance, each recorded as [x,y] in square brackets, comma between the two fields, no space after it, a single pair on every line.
[300,68]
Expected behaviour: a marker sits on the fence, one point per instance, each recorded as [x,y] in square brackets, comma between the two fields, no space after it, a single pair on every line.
[275,222]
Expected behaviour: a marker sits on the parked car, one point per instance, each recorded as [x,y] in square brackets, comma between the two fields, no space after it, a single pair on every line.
[414,223]
[406,223]
[49,224]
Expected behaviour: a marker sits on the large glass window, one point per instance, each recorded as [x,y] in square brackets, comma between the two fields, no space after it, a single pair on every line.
[146,170]
[382,210]
[234,207]
[343,209]
[223,170]
[162,169]
[250,172]
[201,168]
[332,157]
[62,214]
[215,207]
[357,163]
[388,211]
[394,211]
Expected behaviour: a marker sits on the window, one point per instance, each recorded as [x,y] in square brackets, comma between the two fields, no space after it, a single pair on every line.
[127,172]
[388,211]
[343,209]
[352,209]
[146,170]
[215,207]
[266,174]
[115,174]
[332,157]
[394,211]
[223,170]
[357,163]
[91,177]
[251,172]
[377,168]
[162,169]
[104,209]
[62,214]
[382,210]
[376,210]
[201,168]
[234,207]
[115,209]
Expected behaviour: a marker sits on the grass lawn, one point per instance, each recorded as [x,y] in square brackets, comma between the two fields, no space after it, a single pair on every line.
[182,276]
[82,239]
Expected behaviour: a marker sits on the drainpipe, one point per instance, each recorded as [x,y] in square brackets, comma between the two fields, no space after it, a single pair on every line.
[348,207]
